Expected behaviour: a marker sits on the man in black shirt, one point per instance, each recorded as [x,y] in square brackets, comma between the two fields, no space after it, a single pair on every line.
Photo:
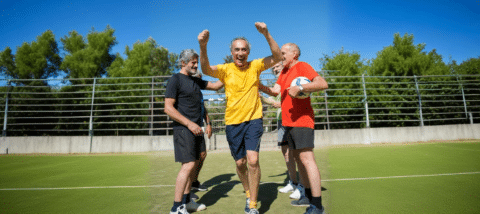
[183,103]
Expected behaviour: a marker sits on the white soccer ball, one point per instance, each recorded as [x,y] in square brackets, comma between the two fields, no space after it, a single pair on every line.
[300,81]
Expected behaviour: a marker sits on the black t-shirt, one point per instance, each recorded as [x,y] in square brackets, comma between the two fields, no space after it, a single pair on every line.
[188,97]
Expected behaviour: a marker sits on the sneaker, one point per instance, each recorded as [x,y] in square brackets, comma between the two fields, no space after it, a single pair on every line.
[290,187]
[298,192]
[312,209]
[180,210]
[247,206]
[253,211]
[194,196]
[193,206]
[197,186]
[302,202]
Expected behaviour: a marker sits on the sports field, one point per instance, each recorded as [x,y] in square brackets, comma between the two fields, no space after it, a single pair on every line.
[434,177]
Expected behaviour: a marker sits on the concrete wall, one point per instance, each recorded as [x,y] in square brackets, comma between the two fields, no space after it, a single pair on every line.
[108,144]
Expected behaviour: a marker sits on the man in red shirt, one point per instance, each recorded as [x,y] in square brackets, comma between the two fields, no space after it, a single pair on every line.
[299,121]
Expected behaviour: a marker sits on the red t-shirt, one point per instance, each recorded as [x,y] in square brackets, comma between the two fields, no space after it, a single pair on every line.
[296,112]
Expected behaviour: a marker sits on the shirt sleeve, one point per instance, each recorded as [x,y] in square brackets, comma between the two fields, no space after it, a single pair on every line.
[221,72]
[171,90]
[308,71]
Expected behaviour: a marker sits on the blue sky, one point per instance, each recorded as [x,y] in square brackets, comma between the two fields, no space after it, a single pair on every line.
[319,27]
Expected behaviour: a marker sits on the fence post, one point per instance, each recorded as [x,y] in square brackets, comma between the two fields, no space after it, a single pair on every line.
[4,133]
[419,100]
[326,104]
[90,129]
[366,102]
[471,117]
[151,115]
[463,96]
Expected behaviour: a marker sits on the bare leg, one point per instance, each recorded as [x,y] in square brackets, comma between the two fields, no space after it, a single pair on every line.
[242,172]
[183,182]
[254,173]
[197,170]
[290,162]
[310,174]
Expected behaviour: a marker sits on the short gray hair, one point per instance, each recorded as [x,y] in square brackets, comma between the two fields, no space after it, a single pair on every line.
[186,55]
[294,47]
[240,38]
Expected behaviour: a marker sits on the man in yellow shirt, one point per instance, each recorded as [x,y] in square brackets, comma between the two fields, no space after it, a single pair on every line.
[243,115]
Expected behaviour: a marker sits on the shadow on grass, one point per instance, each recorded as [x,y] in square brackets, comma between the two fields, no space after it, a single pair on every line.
[223,184]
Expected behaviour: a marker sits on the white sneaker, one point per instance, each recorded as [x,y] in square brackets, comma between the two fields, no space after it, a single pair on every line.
[180,210]
[299,191]
[193,206]
[288,188]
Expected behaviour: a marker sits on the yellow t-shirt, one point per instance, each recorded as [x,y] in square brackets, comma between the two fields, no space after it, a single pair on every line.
[241,91]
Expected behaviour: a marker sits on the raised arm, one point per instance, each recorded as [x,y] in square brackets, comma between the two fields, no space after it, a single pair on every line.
[276,53]
[205,64]
[175,115]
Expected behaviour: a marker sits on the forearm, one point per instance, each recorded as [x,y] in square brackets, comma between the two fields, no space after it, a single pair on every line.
[317,84]
[175,115]
[204,62]
[267,90]
[276,52]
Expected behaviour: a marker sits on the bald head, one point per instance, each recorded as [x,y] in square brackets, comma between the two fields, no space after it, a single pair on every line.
[294,48]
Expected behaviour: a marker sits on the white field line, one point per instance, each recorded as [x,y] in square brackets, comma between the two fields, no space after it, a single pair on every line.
[326,180]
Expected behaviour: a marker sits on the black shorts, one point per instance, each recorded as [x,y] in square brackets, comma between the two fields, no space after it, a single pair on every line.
[187,146]
[300,137]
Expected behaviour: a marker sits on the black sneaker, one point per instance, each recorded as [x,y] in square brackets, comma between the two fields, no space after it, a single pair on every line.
[197,186]
[302,202]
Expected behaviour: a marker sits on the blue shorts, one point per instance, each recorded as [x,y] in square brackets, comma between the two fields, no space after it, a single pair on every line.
[244,136]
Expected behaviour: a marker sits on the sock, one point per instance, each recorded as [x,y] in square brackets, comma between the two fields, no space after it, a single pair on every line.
[253,204]
[247,193]
[186,198]
[317,201]
[308,193]
[175,206]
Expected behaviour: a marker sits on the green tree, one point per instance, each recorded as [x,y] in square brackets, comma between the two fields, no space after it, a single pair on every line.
[345,95]
[36,60]
[469,67]
[144,59]
[88,59]
[404,58]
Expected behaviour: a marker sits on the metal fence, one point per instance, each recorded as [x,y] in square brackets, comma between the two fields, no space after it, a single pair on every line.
[134,106]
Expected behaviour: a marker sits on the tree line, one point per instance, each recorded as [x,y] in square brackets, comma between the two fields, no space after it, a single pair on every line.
[90,57]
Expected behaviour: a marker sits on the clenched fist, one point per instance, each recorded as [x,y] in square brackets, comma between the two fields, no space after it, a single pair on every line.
[203,37]
[261,27]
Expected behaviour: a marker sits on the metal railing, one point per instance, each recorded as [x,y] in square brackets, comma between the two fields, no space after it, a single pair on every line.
[134,106]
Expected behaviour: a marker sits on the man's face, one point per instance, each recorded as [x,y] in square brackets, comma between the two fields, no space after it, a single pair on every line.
[288,55]
[277,68]
[191,66]
[240,52]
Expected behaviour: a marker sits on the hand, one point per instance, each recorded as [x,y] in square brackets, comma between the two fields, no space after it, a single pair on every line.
[277,105]
[208,131]
[261,27]
[203,37]
[293,91]
[195,129]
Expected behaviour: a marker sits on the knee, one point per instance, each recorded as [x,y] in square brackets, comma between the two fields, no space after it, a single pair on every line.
[189,166]
[203,155]
[241,162]
[253,162]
